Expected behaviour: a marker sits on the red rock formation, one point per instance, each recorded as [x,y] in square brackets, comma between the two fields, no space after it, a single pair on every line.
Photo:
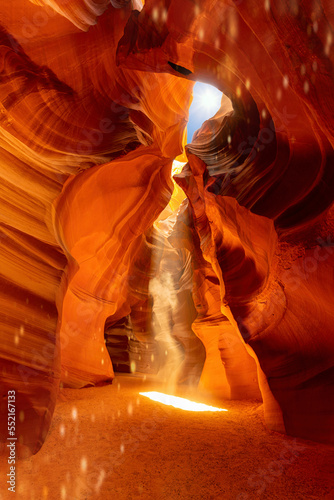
[101,226]
[94,100]
[59,118]
[229,371]
[272,155]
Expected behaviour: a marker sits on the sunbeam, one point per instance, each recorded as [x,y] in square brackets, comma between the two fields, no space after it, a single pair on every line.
[181,403]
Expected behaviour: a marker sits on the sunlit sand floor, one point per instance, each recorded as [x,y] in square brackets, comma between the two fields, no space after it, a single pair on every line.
[111,443]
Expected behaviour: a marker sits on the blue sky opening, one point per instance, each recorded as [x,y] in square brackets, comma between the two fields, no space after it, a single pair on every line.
[206,103]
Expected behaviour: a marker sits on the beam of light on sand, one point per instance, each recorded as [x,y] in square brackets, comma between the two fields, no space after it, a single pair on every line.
[182,403]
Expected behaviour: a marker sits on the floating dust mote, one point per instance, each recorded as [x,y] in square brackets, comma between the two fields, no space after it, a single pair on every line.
[177,402]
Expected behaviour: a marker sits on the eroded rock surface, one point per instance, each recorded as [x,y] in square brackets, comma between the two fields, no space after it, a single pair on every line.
[94,103]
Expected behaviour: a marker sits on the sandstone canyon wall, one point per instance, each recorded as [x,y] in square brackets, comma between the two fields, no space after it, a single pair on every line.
[94,103]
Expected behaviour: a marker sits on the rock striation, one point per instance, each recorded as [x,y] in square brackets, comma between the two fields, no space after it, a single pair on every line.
[94,104]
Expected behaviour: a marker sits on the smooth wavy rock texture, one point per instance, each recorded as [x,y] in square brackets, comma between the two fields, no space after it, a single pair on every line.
[94,104]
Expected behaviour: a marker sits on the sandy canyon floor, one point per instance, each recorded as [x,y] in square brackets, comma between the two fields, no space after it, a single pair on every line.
[112,443]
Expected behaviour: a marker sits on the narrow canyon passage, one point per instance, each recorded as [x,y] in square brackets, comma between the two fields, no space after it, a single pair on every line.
[166,223]
[111,443]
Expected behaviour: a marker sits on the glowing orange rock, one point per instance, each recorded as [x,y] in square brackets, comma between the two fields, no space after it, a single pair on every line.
[273,154]
[58,119]
[106,109]
[101,219]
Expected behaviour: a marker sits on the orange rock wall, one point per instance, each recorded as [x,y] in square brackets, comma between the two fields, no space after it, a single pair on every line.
[66,108]
[94,101]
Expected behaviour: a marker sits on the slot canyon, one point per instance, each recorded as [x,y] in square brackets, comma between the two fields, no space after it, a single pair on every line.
[158,251]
